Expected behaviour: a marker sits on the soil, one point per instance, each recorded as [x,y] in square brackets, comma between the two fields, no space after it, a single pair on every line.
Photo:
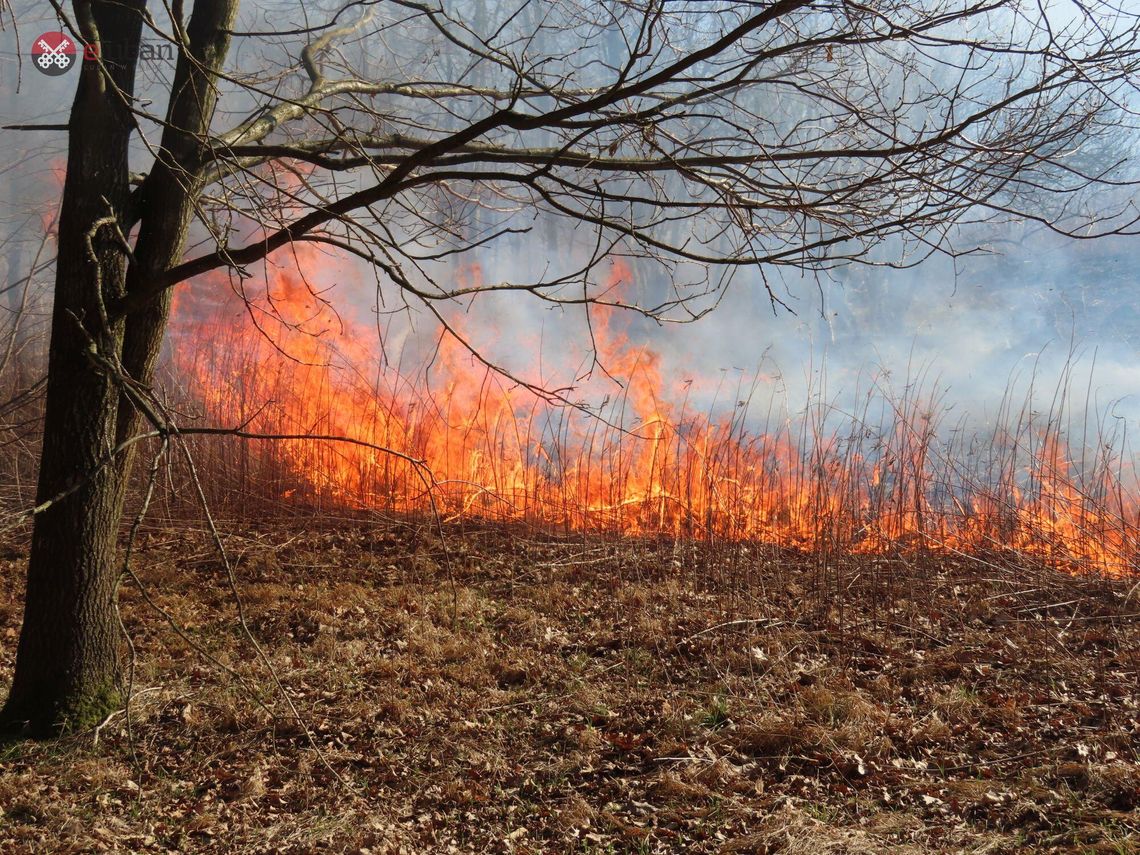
[387,687]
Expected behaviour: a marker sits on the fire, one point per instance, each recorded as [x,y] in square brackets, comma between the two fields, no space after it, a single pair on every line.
[279,360]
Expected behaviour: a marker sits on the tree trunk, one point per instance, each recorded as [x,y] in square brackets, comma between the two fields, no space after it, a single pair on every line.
[67,665]
[67,662]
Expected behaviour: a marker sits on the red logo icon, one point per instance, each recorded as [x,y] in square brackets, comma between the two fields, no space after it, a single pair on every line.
[53,53]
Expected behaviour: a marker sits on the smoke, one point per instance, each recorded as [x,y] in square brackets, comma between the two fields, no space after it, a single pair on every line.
[1032,314]
[1034,310]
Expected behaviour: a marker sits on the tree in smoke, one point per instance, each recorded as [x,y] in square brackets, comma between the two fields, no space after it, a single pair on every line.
[704,138]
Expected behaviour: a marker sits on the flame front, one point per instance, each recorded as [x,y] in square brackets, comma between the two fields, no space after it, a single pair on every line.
[646,463]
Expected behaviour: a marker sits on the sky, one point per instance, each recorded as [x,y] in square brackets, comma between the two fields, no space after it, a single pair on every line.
[1023,312]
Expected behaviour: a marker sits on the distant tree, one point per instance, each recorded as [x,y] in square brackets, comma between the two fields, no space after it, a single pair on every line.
[705,137]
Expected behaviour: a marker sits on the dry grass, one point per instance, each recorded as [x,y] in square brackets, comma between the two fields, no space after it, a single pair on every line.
[503,692]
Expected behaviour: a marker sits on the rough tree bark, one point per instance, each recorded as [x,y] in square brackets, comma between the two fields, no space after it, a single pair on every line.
[67,665]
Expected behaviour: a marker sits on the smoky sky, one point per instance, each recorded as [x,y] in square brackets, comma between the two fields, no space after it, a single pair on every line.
[1017,312]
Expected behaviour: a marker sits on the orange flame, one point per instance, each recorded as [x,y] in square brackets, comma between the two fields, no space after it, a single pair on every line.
[650,466]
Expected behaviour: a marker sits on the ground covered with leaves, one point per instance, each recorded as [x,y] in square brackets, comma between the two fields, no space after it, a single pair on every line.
[496,690]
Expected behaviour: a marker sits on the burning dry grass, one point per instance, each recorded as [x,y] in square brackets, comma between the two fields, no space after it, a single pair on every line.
[683,459]
[497,691]
[1045,476]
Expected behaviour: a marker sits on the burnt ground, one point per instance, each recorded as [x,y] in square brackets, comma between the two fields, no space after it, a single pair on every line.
[504,691]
